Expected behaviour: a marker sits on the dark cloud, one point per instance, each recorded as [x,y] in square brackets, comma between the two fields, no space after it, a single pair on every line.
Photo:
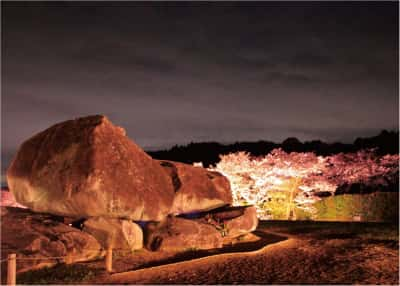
[311,59]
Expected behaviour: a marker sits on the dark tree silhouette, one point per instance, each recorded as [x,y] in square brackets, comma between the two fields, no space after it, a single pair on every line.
[387,142]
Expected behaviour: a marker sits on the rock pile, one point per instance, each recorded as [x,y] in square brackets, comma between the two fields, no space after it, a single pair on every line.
[34,235]
[87,170]
[203,230]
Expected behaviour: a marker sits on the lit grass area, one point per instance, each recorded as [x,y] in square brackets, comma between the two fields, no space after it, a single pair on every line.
[377,207]
[323,229]
[58,274]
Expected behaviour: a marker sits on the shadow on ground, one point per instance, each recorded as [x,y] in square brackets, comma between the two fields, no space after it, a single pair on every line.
[264,240]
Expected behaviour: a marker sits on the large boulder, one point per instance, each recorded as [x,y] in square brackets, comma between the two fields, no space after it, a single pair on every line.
[245,223]
[88,167]
[118,234]
[231,221]
[33,235]
[177,234]
[196,189]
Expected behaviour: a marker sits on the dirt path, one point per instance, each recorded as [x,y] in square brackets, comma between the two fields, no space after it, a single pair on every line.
[340,259]
[195,268]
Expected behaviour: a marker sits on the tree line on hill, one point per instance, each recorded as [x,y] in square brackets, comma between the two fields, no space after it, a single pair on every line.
[387,142]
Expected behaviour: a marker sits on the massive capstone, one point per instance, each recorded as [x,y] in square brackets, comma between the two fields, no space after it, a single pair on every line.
[88,167]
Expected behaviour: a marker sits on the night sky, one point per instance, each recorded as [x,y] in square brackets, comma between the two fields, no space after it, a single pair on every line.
[174,73]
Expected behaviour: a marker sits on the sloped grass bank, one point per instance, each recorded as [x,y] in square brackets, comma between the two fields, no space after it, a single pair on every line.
[374,207]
